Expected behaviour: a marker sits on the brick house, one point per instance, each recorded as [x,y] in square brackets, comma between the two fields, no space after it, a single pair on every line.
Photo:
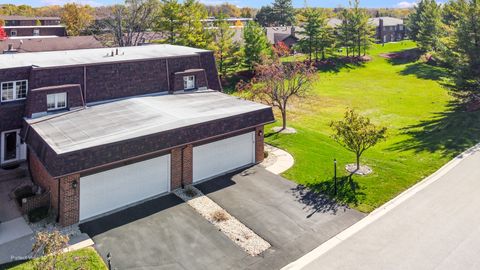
[102,129]
[388,29]
[21,27]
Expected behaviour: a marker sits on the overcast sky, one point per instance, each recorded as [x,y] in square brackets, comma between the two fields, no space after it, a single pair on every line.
[240,3]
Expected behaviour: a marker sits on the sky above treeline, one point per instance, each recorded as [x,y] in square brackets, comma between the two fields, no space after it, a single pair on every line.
[239,3]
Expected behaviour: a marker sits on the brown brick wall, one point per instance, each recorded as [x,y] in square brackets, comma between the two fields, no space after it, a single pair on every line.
[69,212]
[188,165]
[181,169]
[35,201]
[176,168]
[37,98]
[259,147]
[200,79]
[26,32]
[42,178]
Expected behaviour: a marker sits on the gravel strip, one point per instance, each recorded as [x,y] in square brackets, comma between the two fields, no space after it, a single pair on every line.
[230,226]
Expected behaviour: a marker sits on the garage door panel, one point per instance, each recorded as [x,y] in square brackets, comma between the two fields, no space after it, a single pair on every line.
[112,189]
[222,156]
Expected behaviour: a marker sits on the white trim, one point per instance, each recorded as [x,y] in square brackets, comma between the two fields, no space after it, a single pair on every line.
[189,79]
[19,148]
[14,91]
[55,101]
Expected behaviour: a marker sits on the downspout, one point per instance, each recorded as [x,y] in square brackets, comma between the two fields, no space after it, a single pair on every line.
[168,75]
[85,84]
[58,200]
[182,184]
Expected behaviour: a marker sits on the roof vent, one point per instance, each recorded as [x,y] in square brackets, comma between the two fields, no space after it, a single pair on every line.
[10,49]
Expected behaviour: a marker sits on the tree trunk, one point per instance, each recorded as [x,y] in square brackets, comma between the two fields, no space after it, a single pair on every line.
[284,119]
[358,161]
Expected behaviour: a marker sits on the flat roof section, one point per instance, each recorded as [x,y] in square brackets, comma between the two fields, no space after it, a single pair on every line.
[93,56]
[136,117]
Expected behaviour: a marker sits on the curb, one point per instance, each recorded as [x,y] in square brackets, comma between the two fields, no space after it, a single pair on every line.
[380,211]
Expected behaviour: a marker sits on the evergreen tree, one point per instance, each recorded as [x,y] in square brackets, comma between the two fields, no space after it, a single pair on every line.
[317,36]
[226,51]
[429,31]
[426,26]
[256,45]
[265,16]
[170,20]
[191,31]
[466,49]
[283,12]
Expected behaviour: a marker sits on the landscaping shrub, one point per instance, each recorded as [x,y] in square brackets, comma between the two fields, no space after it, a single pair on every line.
[38,214]
[265,154]
[220,215]
[190,192]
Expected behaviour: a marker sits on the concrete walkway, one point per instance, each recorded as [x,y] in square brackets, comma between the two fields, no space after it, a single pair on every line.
[278,160]
[13,229]
[433,225]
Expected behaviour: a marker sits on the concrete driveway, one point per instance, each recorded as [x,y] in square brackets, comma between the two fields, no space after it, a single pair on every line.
[165,233]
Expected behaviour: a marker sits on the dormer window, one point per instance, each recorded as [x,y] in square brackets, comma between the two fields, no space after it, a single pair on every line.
[14,90]
[56,101]
[188,82]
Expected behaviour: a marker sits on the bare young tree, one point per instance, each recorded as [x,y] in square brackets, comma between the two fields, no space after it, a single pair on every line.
[48,248]
[275,83]
[130,22]
[356,133]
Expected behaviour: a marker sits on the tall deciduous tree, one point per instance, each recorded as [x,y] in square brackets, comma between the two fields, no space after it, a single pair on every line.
[356,133]
[76,18]
[131,21]
[256,45]
[276,83]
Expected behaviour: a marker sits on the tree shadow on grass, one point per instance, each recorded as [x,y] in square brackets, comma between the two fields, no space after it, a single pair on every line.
[425,71]
[336,64]
[403,57]
[449,132]
[320,197]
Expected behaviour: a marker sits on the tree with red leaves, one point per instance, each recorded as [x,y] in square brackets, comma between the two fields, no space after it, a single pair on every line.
[276,82]
[3,34]
[281,49]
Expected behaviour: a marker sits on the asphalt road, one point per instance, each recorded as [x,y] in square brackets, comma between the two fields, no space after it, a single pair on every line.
[436,228]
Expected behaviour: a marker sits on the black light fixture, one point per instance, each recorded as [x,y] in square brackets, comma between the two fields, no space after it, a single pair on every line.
[260,132]
[74,184]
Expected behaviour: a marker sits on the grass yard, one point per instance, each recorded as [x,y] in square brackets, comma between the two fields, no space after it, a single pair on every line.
[426,128]
[91,260]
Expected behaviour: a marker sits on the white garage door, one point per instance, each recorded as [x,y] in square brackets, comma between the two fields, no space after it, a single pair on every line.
[112,189]
[218,157]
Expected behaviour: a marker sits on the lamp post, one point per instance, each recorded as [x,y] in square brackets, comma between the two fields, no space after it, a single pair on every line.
[335,174]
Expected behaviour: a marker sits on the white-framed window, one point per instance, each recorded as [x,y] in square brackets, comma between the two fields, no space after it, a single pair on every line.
[188,82]
[13,33]
[56,101]
[36,32]
[14,90]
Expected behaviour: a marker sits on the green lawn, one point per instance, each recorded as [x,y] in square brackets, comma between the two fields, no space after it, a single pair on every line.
[426,128]
[91,260]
